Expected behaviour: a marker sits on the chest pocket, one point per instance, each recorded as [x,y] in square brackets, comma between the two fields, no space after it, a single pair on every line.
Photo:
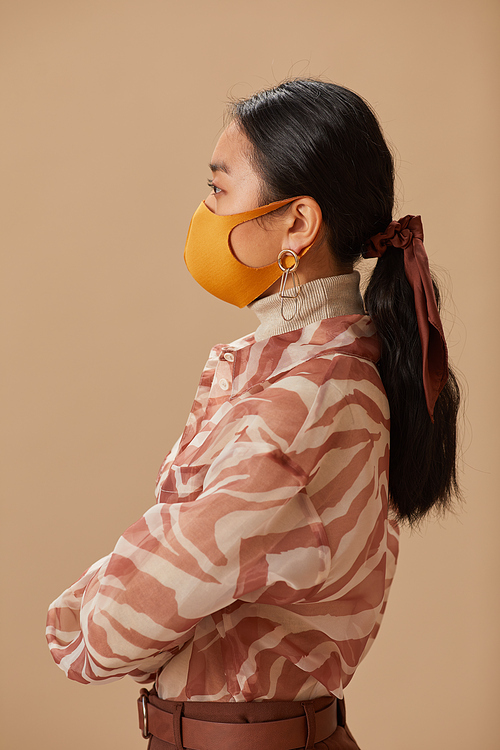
[182,483]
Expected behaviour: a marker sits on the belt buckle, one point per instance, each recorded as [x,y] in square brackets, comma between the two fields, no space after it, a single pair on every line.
[144,704]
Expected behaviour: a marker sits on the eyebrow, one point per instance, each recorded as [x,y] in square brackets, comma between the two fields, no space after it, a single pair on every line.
[219,167]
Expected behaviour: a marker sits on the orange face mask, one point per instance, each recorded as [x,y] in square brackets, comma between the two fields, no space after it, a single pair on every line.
[211,262]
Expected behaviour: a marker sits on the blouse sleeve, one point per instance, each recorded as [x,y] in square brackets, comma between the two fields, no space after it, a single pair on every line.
[251,525]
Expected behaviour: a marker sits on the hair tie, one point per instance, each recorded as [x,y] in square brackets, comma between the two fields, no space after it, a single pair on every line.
[408,235]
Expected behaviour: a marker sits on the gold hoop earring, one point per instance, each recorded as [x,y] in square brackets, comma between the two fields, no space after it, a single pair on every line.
[294,291]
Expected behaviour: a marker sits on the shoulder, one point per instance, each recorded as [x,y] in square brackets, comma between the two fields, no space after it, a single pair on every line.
[338,348]
[287,379]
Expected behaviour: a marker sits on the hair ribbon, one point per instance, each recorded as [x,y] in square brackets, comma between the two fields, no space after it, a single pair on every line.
[408,235]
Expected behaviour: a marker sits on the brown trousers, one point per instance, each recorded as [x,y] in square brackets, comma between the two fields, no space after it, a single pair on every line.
[259,711]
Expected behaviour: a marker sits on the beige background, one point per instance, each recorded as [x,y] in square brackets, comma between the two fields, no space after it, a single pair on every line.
[109,113]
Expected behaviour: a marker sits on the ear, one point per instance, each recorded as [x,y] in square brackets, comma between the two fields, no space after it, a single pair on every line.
[303,222]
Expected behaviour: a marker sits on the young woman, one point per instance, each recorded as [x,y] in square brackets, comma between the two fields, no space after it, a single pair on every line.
[254,587]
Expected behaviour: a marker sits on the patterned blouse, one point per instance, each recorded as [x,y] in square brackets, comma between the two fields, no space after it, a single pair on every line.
[263,570]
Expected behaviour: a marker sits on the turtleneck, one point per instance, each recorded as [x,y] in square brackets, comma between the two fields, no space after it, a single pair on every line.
[318,299]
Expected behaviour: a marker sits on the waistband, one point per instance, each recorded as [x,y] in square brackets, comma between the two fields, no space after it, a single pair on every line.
[282,725]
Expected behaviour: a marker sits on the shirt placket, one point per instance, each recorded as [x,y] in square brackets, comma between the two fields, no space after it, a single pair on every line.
[222,384]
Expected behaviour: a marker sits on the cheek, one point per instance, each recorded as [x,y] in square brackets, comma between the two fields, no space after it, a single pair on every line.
[210,202]
[253,245]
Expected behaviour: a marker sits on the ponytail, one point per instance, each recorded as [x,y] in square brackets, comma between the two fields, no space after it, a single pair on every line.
[317,138]
[422,470]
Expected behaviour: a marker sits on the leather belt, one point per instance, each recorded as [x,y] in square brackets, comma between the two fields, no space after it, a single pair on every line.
[196,734]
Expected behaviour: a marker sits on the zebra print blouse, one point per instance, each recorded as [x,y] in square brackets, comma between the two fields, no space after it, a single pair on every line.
[263,570]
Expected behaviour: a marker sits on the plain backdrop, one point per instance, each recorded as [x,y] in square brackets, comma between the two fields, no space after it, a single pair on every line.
[109,113]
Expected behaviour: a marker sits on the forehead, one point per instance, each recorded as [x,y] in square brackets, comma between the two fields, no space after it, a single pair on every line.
[232,152]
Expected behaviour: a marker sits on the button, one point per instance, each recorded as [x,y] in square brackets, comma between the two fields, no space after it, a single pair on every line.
[229,357]
[224,384]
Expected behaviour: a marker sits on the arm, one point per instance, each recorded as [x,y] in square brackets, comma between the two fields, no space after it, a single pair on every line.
[252,524]
[181,561]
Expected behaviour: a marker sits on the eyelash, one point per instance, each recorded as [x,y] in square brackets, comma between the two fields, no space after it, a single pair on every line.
[214,187]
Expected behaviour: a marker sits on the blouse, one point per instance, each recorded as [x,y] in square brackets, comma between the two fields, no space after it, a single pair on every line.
[262,572]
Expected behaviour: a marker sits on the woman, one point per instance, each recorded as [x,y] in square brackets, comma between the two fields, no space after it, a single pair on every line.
[254,587]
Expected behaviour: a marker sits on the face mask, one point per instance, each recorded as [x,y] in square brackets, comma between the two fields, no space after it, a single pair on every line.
[210,260]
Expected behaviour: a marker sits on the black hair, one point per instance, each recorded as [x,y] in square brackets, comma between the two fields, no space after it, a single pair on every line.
[315,138]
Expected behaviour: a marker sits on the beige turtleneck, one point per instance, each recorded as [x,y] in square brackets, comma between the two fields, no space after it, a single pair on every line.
[318,299]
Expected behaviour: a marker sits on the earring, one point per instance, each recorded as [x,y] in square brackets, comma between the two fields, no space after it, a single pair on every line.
[294,292]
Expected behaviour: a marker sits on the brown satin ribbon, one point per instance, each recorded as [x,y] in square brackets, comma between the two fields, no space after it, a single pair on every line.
[408,234]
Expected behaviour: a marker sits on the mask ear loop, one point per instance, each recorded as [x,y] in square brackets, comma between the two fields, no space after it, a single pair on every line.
[294,292]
